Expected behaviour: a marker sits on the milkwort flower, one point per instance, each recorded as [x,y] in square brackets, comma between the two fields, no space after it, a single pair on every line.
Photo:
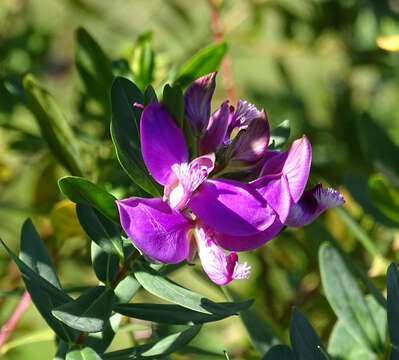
[201,214]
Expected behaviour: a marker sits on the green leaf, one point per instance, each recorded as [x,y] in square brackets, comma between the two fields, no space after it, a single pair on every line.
[34,254]
[279,135]
[94,68]
[126,289]
[385,196]
[342,345]
[279,352]
[89,312]
[346,299]
[105,265]
[149,94]
[100,341]
[304,340]
[53,125]
[166,289]
[44,295]
[175,314]
[262,336]
[83,354]
[173,101]
[83,191]
[163,347]
[126,135]
[203,62]
[101,230]
[142,61]
[393,304]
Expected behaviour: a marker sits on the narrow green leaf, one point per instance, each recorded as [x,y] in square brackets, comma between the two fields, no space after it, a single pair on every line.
[385,196]
[101,230]
[126,135]
[262,336]
[203,62]
[173,101]
[105,265]
[393,304]
[158,349]
[94,68]
[100,341]
[279,135]
[126,289]
[83,191]
[53,125]
[89,312]
[44,295]
[171,343]
[304,340]
[166,289]
[34,254]
[342,345]
[149,95]
[175,314]
[143,60]
[346,299]
[83,354]
[279,352]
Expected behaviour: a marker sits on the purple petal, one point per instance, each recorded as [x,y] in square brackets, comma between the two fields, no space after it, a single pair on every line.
[252,143]
[276,191]
[155,228]
[294,164]
[219,266]
[312,203]
[231,207]
[216,130]
[162,142]
[246,243]
[244,113]
[197,101]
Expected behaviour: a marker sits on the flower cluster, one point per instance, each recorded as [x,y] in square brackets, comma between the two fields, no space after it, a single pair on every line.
[202,212]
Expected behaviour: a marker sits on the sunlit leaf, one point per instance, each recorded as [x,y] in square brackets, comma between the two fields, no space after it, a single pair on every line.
[158,349]
[89,312]
[203,62]
[389,43]
[175,314]
[346,299]
[83,354]
[126,135]
[83,191]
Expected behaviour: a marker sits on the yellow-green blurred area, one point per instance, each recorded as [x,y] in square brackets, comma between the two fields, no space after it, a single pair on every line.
[313,62]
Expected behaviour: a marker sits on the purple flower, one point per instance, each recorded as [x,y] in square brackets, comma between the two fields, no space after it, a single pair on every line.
[312,203]
[202,214]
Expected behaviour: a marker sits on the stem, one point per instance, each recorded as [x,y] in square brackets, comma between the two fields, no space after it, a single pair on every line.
[120,275]
[225,66]
[358,231]
[9,326]
[124,269]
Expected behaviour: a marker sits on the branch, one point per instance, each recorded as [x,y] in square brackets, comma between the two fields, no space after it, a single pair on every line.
[225,67]
[9,326]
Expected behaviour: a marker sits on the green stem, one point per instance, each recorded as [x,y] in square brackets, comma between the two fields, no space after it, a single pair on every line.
[359,233]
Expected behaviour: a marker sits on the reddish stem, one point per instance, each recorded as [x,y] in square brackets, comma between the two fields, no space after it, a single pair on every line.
[9,326]
[225,66]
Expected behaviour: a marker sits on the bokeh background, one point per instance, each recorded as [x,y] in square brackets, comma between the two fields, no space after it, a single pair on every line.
[313,62]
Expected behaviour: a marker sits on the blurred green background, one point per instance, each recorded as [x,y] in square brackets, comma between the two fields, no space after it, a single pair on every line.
[313,62]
